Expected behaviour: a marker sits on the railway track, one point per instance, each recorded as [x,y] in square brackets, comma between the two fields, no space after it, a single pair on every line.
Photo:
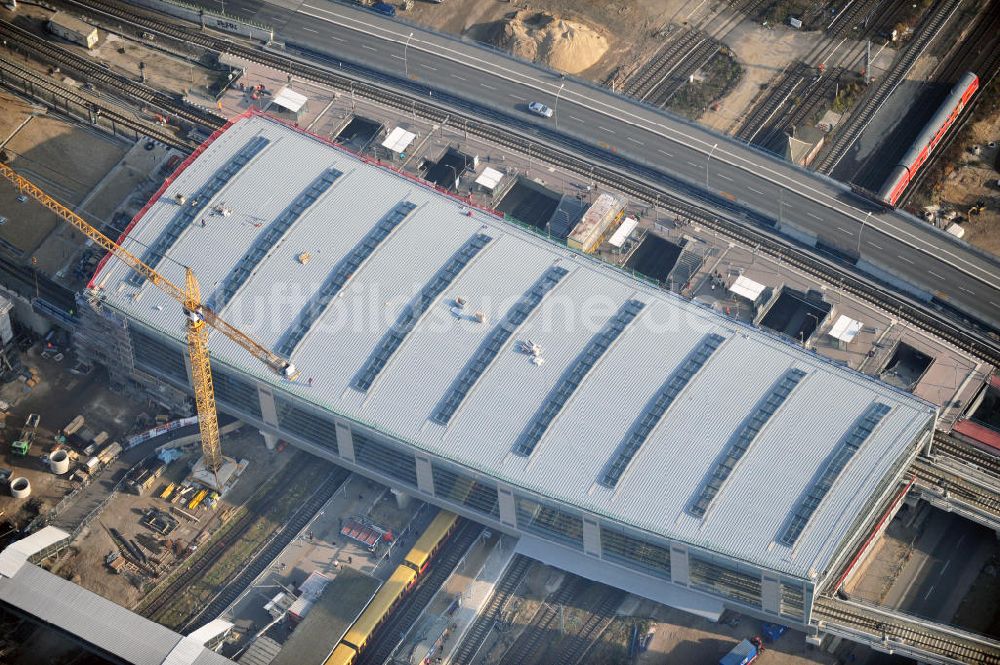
[979,52]
[653,74]
[55,55]
[816,93]
[762,113]
[529,642]
[956,487]
[491,613]
[262,559]
[983,461]
[643,183]
[669,70]
[165,596]
[576,646]
[845,22]
[99,111]
[692,62]
[405,616]
[749,8]
[862,115]
[765,125]
[906,635]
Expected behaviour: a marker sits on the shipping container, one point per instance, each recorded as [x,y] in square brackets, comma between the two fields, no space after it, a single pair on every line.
[600,218]
[73,29]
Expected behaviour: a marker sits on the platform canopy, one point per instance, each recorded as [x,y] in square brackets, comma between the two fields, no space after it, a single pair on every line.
[398,140]
[845,329]
[747,288]
[290,100]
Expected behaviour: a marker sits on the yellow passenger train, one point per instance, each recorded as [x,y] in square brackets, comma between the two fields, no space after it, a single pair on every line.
[389,594]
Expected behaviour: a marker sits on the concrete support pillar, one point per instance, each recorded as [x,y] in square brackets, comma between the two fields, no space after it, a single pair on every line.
[770,594]
[268,411]
[402,498]
[345,442]
[508,511]
[425,475]
[270,440]
[679,564]
[591,537]
[928,444]
[808,592]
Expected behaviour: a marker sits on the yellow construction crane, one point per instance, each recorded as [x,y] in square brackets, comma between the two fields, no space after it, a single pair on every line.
[196,313]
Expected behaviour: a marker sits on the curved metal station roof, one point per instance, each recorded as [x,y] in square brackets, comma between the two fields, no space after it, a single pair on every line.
[477,341]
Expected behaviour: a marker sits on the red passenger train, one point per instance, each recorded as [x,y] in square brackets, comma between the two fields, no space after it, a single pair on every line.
[928,139]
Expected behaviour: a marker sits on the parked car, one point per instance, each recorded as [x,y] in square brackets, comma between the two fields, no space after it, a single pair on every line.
[384,8]
[540,109]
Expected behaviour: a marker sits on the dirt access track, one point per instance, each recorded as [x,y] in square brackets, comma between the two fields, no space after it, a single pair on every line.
[630,33]
[627,26]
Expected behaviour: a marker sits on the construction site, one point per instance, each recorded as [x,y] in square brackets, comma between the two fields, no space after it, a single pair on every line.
[295,371]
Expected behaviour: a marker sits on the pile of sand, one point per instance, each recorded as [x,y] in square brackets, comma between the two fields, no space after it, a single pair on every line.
[548,39]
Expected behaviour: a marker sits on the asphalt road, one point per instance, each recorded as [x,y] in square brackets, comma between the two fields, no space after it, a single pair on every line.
[807,205]
[933,587]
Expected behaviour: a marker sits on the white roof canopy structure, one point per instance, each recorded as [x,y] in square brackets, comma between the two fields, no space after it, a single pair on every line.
[747,288]
[489,178]
[624,231]
[290,100]
[398,140]
[486,408]
[845,329]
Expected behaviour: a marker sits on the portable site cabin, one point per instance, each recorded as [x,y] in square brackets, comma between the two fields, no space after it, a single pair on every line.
[602,216]
[73,29]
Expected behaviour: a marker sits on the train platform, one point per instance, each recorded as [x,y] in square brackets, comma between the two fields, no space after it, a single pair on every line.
[949,381]
[320,547]
[456,605]
[587,567]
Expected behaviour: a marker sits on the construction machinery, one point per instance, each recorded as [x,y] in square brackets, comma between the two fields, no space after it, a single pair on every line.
[198,317]
[22,446]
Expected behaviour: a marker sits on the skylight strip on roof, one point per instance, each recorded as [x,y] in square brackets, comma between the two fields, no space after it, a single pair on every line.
[657,407]
[490,347]
[739,444]
[407,321]
[571,379]
[831,470]
[340,275]
[271,236]
[197,204]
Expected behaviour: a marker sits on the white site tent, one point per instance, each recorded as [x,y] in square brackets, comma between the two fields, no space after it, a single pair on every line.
[398,140]
[290,102]
[747,288]
[844,330]
[489,179]
[624,230]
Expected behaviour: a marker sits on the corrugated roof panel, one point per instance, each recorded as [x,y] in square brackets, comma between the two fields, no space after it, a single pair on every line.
[575,375]
[761,491]
[414,311]
[739,445]
[439,349]
[94,619]
[835,464]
